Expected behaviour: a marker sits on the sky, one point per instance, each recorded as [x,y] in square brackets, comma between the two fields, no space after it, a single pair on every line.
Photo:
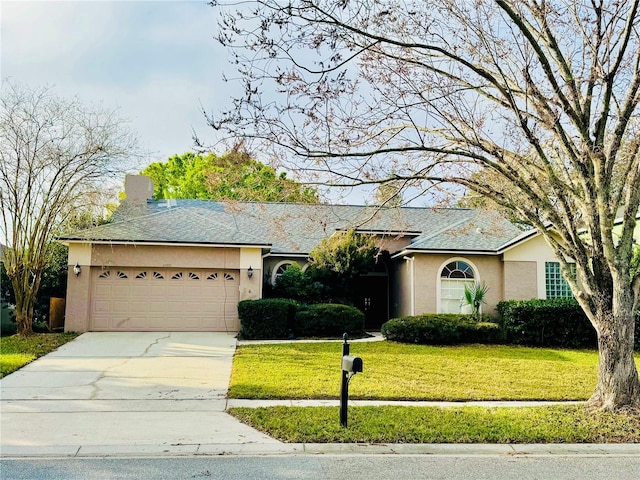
[156,62]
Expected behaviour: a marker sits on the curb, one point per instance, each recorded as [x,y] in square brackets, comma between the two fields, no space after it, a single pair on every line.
[288,449]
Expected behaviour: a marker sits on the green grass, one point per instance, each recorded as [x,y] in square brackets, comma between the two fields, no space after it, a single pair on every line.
[16,351]
[391,424]
[394,371]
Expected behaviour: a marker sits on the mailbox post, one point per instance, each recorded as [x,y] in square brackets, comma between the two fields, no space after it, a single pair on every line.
[350,366]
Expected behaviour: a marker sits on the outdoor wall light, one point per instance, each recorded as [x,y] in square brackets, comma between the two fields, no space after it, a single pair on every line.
[250,272]
[77,269]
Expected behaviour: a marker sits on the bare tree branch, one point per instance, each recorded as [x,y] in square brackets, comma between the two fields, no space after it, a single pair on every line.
[53,153]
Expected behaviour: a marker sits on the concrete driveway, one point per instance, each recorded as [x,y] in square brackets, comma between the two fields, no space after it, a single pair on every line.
[126,393]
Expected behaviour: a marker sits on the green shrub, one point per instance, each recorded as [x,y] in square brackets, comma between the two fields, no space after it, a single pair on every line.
[483,332]
[298,285]
[328,320]
[293,283]
[266,318]
[440,329]
[7,320]
[546,323]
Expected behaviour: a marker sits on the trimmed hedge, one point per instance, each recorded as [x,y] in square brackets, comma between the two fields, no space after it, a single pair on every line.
[270,318]
[546,323]
[328,320]
[440,329]
[550,323]
[277,318]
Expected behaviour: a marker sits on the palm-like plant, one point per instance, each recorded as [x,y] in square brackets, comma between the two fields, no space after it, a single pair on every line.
[474,296]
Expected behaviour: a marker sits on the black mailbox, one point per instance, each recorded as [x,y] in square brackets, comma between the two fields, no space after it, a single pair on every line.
[351,364]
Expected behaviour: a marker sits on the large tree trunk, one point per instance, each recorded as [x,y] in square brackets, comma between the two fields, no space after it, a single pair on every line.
[25,305]
[24,321]
[618,384]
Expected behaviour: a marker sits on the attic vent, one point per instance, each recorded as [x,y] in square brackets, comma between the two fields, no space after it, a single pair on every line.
[168,203]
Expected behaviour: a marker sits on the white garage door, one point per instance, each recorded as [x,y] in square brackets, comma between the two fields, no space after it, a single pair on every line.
[144,299]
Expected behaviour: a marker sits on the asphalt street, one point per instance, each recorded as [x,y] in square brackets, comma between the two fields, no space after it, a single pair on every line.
[328,467]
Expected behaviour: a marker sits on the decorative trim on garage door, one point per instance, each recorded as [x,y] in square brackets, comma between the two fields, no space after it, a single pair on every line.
[170,299]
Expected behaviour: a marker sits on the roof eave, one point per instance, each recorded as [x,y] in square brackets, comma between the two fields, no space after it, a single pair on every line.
[287,254]
[452,251]
[164,243]
[518,240]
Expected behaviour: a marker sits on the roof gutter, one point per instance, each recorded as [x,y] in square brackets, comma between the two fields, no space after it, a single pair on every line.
[67,241]
[413,251]
[285,254]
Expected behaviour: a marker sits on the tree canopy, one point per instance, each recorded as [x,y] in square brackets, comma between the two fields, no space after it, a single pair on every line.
[337,261]
[55,156]
[542,95]
[234,176]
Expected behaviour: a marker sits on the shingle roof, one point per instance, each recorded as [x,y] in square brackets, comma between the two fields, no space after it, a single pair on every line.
[297,228]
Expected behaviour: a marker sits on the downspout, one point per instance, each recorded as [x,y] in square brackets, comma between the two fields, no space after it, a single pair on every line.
[412,284]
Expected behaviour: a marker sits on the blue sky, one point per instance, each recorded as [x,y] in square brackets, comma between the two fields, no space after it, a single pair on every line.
[157,62]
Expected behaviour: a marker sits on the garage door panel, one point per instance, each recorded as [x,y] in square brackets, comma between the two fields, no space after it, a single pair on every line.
[102,306]
[156,307]
[121,291]
[165,299]
[139,289]
[129,323]
[138,307]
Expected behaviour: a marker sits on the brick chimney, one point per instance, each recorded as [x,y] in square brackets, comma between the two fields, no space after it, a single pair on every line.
[138,188]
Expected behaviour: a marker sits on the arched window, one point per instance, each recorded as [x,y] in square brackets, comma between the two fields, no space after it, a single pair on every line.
[279,269]
[454,276]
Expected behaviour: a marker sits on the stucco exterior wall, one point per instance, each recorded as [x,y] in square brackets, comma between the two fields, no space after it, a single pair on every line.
[535,250]
[250,288]
[392,244]
[401,289]
[427,279]
[165,256]
[520,280]
[78,299]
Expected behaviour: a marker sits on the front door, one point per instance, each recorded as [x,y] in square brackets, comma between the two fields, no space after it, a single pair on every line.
[373,299]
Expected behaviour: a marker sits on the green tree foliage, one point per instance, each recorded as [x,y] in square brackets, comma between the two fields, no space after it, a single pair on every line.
[293,283]
[53,283]
[234,176]
[338,260]
[299,285]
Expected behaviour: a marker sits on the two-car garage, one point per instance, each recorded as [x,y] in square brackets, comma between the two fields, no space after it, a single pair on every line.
[164,299]
[165,288]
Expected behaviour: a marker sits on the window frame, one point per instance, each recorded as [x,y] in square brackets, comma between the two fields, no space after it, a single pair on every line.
[440,301]
[561,289]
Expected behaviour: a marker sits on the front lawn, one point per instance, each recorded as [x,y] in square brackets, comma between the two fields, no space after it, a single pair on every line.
[394,371]
[16,351]
[391,424]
